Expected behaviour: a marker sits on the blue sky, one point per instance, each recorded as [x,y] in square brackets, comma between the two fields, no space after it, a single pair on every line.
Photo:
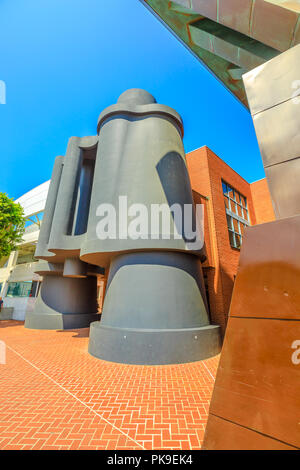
[64,61]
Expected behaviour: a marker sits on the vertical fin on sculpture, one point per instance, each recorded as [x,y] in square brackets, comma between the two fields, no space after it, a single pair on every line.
[68,294]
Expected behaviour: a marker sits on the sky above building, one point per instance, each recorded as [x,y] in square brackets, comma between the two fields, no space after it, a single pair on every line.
[63,62]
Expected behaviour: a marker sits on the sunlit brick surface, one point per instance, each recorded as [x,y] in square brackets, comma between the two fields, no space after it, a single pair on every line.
[54,395]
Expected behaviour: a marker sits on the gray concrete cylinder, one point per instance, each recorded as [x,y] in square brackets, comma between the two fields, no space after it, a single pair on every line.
[74,267]
[67,299]
[153,312]
[140,157]
[64,303]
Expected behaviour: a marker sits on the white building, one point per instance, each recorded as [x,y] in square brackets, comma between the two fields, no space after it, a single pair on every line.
[19,285]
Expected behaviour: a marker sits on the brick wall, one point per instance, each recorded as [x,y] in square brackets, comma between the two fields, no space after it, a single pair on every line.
[206,172]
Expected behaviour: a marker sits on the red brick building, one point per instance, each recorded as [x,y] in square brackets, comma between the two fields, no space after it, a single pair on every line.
[231,203]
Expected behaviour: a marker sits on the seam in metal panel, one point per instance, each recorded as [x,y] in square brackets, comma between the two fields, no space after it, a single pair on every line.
[264,318]
[160,19]
[254,430]
[283,161]
[251,18]
[274,105]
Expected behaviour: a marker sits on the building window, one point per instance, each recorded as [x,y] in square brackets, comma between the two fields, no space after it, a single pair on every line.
[26,254]
[237,214]
[35,288]
[19,289]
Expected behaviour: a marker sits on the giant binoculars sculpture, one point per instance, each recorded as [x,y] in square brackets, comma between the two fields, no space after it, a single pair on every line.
[154,310]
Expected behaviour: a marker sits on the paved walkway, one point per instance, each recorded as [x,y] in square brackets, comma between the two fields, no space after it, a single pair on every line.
[54,395]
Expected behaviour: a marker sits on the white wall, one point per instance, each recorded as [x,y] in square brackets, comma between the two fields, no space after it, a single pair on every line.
[34,201]
[24,272]
[19,304]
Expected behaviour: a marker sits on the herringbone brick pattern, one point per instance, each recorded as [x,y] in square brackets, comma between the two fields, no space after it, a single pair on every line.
[54,395]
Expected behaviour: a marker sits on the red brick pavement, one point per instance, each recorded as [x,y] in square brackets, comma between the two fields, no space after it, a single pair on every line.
[54,395]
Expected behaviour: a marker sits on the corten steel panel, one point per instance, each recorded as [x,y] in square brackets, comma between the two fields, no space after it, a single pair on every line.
[178,22]
[257,385]
[273,82]
[236,14]
[224,435]
[278,132]
[274,24]
[230,45]
[184,3]
[205,8]
[269,18]
[283,181]
[268,280]
[258,379]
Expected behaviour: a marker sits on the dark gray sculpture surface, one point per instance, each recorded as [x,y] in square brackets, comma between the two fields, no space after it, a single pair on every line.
[155,310]
[68,294]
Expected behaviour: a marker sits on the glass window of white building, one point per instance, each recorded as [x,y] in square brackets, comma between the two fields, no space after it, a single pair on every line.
[18,289]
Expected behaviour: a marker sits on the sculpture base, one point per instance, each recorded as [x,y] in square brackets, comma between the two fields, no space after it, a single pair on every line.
[64,303]
[154,347]
[59,321]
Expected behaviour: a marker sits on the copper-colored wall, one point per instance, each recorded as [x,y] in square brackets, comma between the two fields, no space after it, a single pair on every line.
[261,198]
[256,400]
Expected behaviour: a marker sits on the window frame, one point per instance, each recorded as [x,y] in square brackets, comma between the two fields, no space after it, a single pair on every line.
[235,200]
[8,294]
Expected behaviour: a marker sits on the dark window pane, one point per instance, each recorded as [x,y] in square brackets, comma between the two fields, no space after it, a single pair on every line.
[34,289]
[231,238]
[224,187]
[229,222]
[231,192]
[226,202]
[238,241]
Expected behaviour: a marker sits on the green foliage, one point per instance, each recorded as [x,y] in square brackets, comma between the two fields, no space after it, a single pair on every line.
[12,224]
